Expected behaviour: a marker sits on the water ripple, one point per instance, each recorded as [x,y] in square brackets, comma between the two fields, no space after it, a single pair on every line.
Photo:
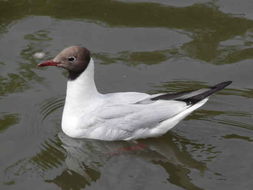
[51,105]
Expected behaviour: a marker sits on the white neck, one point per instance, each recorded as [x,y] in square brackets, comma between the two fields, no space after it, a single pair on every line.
[82,90]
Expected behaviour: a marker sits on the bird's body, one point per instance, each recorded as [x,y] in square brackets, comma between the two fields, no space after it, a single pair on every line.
[122,116]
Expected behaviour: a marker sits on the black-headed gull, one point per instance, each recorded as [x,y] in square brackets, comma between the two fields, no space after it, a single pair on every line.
[118,116]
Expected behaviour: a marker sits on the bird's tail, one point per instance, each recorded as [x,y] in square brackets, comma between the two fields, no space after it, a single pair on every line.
[211,90]
[193,97]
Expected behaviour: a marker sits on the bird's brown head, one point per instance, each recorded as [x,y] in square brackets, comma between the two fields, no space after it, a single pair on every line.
[75,59]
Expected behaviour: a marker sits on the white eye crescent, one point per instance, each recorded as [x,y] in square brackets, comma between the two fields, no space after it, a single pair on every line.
[71,58]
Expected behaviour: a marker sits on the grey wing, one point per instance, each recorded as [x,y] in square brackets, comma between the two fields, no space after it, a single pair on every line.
[130,111]
[132,117]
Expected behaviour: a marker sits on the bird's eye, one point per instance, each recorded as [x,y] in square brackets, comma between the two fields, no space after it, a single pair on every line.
[71,59]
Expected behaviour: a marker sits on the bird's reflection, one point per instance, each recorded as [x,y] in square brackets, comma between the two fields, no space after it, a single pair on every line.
[87,160]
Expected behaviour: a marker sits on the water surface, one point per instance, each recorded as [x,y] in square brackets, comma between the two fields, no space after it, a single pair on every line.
[138,45]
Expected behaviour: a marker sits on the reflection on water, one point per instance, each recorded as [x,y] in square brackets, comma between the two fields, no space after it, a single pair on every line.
[85,159]
[135,58]
[155,46]
[235,136]
[208,26]
[19,81]
[7,120]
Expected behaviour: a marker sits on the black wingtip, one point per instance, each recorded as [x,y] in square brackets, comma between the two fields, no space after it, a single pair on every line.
[221,85]
[195,99]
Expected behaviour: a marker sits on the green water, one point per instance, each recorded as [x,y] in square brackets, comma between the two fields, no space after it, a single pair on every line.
[138,45]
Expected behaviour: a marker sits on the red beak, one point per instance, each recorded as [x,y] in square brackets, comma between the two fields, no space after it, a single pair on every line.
[48,63]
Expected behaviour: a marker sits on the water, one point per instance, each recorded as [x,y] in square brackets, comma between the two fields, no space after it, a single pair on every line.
[138,45]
